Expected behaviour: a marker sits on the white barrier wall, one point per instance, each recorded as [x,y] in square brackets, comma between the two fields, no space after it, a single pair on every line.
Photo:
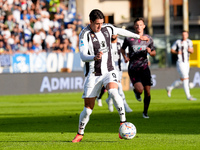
[34,83]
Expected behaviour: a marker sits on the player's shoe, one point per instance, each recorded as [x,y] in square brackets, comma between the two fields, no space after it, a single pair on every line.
[137,96]
[127,108]
[191,98]
[110,104]
[119,134]
[77,138]
[145,116]
[168,91]
[99,102]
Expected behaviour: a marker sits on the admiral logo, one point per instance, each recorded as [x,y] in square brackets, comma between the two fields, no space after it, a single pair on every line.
[94,40]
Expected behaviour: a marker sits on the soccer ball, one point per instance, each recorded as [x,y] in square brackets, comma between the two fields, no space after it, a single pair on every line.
[127,130]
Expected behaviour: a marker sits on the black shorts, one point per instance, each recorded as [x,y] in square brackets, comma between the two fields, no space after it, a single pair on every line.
[143,76]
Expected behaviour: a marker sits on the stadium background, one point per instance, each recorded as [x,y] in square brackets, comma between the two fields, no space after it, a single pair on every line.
[24,73]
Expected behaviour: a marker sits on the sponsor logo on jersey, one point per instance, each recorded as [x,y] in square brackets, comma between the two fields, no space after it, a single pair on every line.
[137,48]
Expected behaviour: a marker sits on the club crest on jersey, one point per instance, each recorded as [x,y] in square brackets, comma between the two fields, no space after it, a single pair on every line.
[92,35]
[103,44]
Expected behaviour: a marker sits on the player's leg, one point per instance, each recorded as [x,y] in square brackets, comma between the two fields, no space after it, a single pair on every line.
[175,84]
[91,91]
[185,79]
[147,99]
[138,89]
[85,114]
[121,93]
[186,87]
[99,101]
[147,82]
[117,100]
[109,101]
[84,118]
[112,87]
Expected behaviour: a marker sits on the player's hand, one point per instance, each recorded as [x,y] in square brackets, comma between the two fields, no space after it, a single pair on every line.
[148,50]
[126,59]
[144,38]
[179,52]
[98,56]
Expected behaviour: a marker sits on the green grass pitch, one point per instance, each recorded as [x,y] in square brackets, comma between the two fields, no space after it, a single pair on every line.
[50,122]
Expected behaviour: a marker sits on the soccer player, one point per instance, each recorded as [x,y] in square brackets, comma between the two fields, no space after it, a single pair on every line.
[182,48]
[138,68]
[95,51]
[116,46]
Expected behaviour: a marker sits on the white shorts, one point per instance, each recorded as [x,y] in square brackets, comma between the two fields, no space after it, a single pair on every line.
[183,69]
[93,84]
[120,76]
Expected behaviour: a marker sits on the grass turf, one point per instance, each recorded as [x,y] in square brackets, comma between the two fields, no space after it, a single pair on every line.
[50,122]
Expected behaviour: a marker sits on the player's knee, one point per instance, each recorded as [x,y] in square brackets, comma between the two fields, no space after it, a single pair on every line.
[88,111]
[113,92]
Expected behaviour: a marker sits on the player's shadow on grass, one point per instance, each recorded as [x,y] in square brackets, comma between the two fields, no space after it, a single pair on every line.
[171,122]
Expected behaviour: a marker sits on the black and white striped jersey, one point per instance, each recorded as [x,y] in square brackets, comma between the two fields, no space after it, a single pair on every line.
[183,46]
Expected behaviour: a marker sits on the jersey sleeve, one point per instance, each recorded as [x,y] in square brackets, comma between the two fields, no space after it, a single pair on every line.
[125,44]
[126,33]
[190,44]
[84,47]
[122,32]
[175,46]
[151,45]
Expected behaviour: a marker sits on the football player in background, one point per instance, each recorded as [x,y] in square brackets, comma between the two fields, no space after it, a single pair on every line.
[182,48]
[138,68]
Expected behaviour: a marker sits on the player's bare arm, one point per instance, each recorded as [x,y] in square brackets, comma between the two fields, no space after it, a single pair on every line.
[190,50]
[151,53]
[175,52]
[126,59]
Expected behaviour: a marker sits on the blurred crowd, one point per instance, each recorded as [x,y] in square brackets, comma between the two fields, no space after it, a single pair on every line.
[33,26]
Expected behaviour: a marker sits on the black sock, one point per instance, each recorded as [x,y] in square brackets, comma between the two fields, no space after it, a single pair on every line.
[146,104]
